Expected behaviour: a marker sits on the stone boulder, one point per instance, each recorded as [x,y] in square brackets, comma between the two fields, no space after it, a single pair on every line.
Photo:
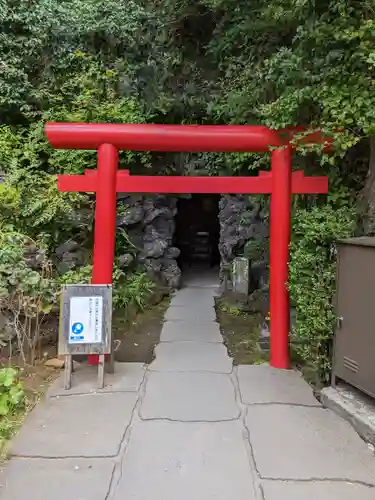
[244,231]
[171,273]
[68,247]
[155,248]
[125,260]
[131,216]
[172,253]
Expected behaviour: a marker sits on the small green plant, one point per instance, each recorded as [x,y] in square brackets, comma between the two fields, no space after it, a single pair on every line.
[131,290]
[235,311]
[81,276]
[12,395]
[229,309]
[128,289]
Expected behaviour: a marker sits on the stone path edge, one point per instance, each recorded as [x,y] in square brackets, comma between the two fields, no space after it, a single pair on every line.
[99,391]
[260,479]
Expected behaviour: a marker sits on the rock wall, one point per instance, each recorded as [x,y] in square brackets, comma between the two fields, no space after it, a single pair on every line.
[244,231]
[150,226]
[69,256]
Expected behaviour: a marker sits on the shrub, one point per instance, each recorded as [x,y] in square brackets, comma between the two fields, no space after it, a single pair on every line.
[27,290]
[313,281]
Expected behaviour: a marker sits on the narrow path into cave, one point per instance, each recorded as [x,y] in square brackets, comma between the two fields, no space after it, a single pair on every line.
[197,232]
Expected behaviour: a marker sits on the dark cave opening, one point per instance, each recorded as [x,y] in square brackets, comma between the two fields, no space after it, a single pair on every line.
[198,231]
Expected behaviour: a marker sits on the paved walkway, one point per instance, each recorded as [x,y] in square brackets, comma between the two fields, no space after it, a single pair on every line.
[188,427]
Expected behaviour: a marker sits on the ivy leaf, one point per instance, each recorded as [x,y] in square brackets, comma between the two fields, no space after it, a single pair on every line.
[16,394]
[4,404]
[7,376]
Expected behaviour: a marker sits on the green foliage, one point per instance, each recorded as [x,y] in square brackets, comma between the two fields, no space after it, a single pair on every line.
[31,201]
[44,45]
[129,290]
[80,276]
[313,280]
[296,62]
[16,276]
[232,310]
[27,289]
[254,249]
[11,392]
[132,290]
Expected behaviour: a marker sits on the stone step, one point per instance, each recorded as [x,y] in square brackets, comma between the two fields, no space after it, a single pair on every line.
[191,312]
[189,397]
[191,331]
[191,357]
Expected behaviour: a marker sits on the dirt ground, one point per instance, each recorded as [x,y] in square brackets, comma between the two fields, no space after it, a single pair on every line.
[139,335]
[241,332]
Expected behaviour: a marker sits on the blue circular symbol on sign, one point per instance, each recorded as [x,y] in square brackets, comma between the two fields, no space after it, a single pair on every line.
[77,328]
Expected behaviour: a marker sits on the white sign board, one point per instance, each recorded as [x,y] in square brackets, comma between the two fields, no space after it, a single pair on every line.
[86,320]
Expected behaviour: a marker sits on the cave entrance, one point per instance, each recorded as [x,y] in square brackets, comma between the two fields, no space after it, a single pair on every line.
[197,231]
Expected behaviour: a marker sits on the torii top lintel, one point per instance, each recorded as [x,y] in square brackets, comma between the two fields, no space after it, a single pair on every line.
[184,138]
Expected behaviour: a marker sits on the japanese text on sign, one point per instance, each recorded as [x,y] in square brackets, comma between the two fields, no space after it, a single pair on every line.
[86,320]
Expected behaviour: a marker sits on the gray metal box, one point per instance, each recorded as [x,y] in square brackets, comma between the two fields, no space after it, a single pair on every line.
[354,345]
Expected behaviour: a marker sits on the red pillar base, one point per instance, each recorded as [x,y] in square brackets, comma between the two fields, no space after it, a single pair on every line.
[93,359]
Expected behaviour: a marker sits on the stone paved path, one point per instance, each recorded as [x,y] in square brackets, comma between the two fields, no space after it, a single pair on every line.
[188,427]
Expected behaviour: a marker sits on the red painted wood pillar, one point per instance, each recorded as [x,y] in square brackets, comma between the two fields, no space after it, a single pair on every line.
[105,220]
[281,164]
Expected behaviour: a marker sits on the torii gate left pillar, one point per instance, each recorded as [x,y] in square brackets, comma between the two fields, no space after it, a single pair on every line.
[280,183]
[105,215]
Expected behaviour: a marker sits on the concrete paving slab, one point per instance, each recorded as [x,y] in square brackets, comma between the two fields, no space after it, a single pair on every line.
[296,442]
[128,377]
[192,296]
[38,479]
[289,490]
[201,302]
[189,397]
[190,331]
[191,357]
[261,384]
[185,461]
[198,312]
[76,426]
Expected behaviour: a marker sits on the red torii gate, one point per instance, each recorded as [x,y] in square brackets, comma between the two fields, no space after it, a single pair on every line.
[107,139]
